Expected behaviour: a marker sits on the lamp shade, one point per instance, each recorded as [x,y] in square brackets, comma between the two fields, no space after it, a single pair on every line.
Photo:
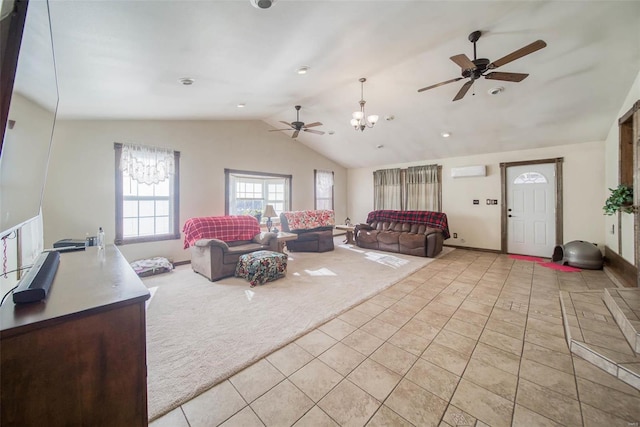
[269,212]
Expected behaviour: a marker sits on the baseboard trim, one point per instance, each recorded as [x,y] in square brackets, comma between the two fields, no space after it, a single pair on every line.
[181,262]
[469,248]
[625,272]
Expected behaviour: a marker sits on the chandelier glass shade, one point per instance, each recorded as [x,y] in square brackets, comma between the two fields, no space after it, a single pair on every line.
[358,120]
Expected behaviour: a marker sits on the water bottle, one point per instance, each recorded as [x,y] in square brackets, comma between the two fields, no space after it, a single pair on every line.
[100,238]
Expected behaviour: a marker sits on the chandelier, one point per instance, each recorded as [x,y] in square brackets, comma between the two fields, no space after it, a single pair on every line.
[358,121]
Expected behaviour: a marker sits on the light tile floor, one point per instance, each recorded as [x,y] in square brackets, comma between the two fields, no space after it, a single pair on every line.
[471,339]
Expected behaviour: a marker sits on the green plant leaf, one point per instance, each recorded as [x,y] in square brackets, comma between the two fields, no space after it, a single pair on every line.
[620,200]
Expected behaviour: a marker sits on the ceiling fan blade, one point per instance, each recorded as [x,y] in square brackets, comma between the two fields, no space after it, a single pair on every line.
[530,48]
[463,61]
[508,77]
[295,134]
[286,123]
[463,90]
[319,132]
[440,84]
[310,125]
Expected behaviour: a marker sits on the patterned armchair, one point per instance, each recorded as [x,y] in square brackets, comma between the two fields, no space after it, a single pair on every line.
[313,227]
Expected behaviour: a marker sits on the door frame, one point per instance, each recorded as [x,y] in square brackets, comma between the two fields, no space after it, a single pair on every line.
[558,202]
[629,133]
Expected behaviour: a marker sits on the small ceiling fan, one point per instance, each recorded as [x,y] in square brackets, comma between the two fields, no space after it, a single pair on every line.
[298,126]
[480,67]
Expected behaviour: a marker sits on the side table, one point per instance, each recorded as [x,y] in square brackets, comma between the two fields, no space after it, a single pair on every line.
[349,229]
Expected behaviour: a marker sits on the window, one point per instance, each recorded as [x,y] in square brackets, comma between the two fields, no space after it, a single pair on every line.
[249,193]
[415,188]
[147,194]
[323,189]
[530,178]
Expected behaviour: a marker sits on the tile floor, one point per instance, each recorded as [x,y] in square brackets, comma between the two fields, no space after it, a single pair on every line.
[471,339]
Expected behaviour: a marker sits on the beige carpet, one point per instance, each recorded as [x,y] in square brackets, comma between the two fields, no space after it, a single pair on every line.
[200,333]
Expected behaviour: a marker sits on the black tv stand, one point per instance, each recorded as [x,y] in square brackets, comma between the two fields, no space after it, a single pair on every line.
[35,285]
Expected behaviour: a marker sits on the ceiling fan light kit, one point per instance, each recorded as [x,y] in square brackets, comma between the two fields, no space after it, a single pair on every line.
[482,67]
[358,118]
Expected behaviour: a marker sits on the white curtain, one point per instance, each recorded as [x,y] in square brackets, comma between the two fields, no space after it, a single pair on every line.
[324,189]
[148,165]
[423,188]
[387,189]
[324,182]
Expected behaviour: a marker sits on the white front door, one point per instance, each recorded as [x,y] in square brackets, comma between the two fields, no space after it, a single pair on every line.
[531,195]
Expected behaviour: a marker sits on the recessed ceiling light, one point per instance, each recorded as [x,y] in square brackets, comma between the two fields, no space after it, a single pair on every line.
[241,105]
[379,146]
[445,134]
[495,90]
[331,132]
[303,70]
[187,81]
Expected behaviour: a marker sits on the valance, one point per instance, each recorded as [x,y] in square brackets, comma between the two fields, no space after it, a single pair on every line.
[148,165]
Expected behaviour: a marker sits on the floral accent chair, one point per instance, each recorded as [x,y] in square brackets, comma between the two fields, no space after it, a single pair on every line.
[313,227]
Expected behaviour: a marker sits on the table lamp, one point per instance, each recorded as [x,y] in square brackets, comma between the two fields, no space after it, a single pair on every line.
[269,212]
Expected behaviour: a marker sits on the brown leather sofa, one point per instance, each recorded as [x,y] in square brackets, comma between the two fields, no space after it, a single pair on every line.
[406,232]
[313,227]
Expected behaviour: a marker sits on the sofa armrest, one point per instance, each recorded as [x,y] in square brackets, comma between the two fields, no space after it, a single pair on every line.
[203,243]
[265,238]
[431,230]
[361,227]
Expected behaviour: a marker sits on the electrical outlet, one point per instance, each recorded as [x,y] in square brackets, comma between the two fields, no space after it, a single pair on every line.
[455,235]
[494,201]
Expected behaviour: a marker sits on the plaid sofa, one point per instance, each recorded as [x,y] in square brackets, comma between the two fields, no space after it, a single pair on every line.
[216,243]
[419,233]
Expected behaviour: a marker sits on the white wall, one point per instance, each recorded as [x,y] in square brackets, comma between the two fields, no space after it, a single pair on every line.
[479,225]
[611,181]
[23,165]
[80,193]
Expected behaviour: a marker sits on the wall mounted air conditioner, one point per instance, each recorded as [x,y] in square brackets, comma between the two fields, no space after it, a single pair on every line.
[468,171]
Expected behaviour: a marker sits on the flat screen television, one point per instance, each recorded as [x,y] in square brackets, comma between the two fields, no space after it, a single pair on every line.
[29,99]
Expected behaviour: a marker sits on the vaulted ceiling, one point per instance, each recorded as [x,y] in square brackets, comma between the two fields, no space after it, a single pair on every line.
[124,59]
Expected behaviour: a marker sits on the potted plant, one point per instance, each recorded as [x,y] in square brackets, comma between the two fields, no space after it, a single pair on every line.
[620,199]
[253,212]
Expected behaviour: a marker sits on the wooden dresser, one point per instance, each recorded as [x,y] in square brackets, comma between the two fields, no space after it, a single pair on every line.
[79,357]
